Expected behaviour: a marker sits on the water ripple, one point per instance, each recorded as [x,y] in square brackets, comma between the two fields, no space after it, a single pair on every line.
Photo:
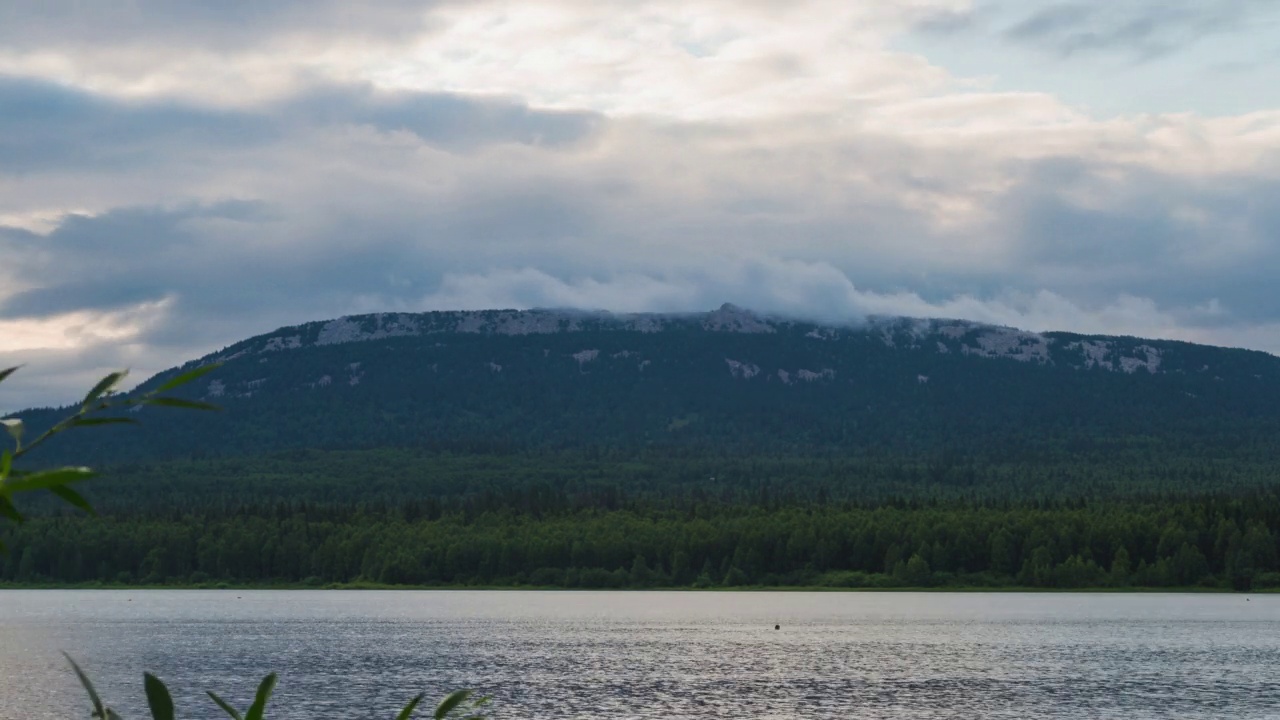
[655,655]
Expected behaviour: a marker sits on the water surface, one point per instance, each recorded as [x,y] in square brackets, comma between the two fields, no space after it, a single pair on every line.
[652,654]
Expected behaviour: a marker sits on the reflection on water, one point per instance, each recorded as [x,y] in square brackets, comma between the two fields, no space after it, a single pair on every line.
[653,655]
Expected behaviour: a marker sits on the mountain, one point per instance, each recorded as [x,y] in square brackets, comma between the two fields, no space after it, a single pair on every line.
[726,381]
[575,449]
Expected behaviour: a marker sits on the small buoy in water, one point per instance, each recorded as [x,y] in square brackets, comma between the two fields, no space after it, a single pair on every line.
[777,627]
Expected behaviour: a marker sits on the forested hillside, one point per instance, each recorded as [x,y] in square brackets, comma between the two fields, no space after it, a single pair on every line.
[721,383]
[594,450]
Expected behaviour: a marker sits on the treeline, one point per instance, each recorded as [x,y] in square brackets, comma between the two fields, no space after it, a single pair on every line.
[1207,541]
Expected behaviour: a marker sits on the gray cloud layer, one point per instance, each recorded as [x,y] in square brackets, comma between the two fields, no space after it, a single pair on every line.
[46,126]
[223,25]
[484,185]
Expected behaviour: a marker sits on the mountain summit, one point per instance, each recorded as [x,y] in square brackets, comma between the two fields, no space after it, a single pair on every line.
[945,336]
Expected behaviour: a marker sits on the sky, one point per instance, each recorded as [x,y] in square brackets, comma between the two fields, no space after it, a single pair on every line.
[176,176]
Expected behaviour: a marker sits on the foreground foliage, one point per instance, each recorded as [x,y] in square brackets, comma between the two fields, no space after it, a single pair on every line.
[101,399]
[91,412]
[461,704]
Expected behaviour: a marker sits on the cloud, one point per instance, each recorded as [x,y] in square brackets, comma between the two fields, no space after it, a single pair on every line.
[228,53]
[814,291]
[449,120]
[700,59]
[228,25]
[355,209]
[171,187]
[1139,30]
[943,21]
[1086,228]
[47,126]
[58,357]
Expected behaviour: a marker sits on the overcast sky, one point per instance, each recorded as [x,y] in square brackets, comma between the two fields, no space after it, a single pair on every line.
[176,176]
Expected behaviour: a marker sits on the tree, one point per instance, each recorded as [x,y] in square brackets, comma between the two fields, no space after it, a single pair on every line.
[917,573]
[1120,568]
[734,577]
[704,579]
[680,571]
[101,398]
[1189,565]
[1004,559]
[1038,569]
[1250,553]
[640,574]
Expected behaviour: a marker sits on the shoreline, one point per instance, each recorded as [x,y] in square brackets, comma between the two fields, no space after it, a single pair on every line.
[1193,590]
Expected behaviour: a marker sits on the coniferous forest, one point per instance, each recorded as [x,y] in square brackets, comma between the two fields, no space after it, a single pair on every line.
[556,526]
[719,450]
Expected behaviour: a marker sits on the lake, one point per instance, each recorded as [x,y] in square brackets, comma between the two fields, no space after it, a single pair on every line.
[652,654]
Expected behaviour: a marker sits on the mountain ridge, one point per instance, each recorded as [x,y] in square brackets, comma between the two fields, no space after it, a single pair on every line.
[729,381]
[1125,354]
[993,340]
[398,405]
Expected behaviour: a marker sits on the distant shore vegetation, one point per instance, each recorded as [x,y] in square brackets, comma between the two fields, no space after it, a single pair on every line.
[1208,543]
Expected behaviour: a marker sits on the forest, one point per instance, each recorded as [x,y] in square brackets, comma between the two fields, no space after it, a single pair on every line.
[710,533]
[898,455]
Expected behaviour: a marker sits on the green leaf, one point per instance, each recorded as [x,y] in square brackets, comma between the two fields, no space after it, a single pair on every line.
[259,706]
[8,510]
[408,709]
[73,498]
[226,707]
[7,372]
[187,377]
[14,427]
[88,422]
[179,403]
[98,710]
[47,479]
[158,698]
[476,705]
[6,464]
[451,703]
[103,386]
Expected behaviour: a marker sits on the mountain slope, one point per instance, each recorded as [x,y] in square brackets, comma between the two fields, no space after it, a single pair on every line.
[726,382]
[562,448]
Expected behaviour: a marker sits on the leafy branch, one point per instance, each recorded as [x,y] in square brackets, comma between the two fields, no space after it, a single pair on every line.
[459,705]
[103,397]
